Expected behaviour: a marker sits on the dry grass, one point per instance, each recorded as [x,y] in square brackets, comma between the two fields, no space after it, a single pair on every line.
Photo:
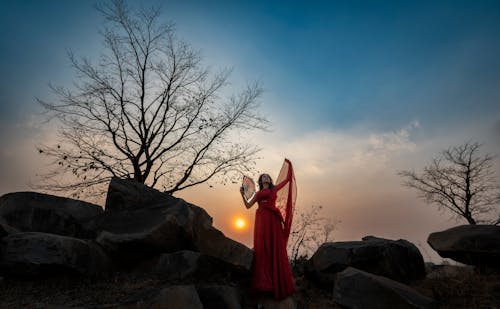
[466,290]
[310,297]
[64,292]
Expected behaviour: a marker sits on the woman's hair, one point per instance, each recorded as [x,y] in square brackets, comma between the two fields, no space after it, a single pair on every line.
[261,186]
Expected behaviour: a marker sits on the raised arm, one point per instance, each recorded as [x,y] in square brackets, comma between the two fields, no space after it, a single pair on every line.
[288,177]
[250,203]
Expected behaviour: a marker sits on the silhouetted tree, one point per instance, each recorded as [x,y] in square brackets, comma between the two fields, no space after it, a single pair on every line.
[459,180]
[148,110]
[309,231]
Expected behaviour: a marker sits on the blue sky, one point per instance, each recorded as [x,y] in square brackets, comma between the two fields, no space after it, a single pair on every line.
[356,90]
[335,63]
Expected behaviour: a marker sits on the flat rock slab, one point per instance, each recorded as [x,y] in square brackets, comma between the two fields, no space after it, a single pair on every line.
[355,288]
[36,254]
[477,245]
[189,265]
[396,259]
[37,212]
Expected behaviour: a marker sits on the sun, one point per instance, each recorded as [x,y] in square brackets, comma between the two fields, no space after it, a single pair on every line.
[239,223]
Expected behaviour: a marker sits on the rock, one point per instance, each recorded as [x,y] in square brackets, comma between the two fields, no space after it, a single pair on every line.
[189,265]
[219,297]
[125,194]
[160,223]
[399,260]
[178,296]
[37,212]
[211,241]
[358,289]
[448,271]
[36,254]
[132,236]
[477,245]
[6,229]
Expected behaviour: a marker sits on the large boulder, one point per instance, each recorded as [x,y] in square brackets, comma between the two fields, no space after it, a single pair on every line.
[34,254]
[396,259]
[160,223]
[132,236]
[477,245]
[211,241]
[37,212]
[124,194]
[189,265]
[355,288]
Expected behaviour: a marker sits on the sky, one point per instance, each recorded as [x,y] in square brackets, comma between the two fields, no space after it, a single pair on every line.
[355,92]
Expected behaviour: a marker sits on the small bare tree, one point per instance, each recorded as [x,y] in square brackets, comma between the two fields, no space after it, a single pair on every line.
[461,181]
[309,231]
[148,110]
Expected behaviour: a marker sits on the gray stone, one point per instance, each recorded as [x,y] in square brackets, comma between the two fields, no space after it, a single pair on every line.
[448,271]
[6,229]
[219,297]
[477,245]
[399,260]
[37,212]
[355,288]
[138,196]
[132,236]
[189,265]
[211,241]
[36,254]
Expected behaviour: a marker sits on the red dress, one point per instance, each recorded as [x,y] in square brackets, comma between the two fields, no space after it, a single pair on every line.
[271,270]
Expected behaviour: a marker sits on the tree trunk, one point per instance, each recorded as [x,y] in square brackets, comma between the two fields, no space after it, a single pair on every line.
[470,219]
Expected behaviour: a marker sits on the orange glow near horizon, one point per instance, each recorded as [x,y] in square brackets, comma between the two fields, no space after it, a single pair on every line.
[240,223]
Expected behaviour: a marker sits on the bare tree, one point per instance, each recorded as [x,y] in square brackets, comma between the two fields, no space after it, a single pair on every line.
[148,110]
[460,180]
[309,231]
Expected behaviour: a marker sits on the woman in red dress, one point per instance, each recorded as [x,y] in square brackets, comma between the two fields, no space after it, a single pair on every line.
[271,270]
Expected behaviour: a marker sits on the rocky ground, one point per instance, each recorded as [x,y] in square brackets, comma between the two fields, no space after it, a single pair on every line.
[466,290]
[147,249]
[463,290]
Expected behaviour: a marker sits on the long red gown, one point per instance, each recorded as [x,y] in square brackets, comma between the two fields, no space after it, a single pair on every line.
[271,270]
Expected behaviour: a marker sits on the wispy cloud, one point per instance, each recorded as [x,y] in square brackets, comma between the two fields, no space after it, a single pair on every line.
[353,175]
[336,154]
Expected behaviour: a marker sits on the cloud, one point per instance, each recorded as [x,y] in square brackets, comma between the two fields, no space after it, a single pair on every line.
[336,156]
[343,170]
[19,160]
[353,175]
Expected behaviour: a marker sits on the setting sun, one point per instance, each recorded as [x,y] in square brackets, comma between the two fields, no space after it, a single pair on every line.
[239,223]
